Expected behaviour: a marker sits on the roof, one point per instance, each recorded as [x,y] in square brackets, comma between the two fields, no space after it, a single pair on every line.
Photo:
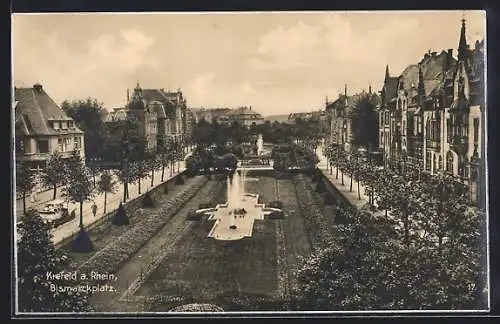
[436,68]
[391,87]
[35,108]
[279,118]
[247,111]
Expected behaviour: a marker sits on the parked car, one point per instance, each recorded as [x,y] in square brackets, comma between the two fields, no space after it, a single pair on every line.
[55,212]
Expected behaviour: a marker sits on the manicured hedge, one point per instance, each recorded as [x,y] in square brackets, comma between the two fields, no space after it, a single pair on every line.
[110,258]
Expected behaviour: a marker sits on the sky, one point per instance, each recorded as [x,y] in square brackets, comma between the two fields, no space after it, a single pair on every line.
[275,62]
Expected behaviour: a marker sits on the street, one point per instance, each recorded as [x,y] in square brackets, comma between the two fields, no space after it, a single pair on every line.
[113,201]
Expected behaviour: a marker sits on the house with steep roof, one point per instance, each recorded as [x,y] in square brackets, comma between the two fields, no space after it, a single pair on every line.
[431,118]
[160,115]
[339,121]
[42,128]
[245,116]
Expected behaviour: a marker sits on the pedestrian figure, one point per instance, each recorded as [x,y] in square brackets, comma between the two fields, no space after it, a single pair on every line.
[94,209]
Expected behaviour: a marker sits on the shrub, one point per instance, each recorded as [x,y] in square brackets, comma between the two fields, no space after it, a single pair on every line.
[82,243]
[179,180]
[209,204]
[120,218]
[193,216]
[111,257]
[276,204]
[330,200]
[320,186]
[197,308]
[276,215]
[147,200]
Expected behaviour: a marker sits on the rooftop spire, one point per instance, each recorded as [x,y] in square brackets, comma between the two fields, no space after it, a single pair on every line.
[421,87]
[387,72]
[462,43]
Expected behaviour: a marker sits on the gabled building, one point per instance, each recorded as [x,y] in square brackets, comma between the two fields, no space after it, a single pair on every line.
[245,116]
[42,128]
[339,117]
[161,116]
[431,118]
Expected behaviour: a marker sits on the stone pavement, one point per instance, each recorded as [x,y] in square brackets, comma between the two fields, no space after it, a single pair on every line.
[112,202]
[41,198]
[352,196]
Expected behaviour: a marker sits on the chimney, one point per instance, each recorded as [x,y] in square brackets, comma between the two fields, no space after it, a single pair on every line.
[450,52]
[128,95]
[38,87]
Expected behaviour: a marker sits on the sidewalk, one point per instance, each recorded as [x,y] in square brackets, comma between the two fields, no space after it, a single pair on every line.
[42,197]
[343,189]
[113,201]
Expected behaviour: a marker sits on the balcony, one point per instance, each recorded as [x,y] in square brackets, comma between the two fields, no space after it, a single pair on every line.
[459,142]
[432,144]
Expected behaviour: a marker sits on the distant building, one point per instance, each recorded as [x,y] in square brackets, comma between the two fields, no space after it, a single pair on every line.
[42,128]
[278,118]
[339,121]
[245,116]
[320,115]
[161,115]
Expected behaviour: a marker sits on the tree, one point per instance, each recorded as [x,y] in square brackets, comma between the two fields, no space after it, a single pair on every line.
[106,185]
[94,170]
[139,170]
[152,164]
[79,189]
[54,174]
[88,115]
[36,257]
[364,121]
[164,157]
[203,133]
[25,180]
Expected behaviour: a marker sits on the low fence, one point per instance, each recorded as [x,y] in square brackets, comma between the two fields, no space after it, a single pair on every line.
[130,206]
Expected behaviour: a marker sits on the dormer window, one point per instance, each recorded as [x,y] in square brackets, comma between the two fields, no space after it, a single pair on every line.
[64,125]
[55,125]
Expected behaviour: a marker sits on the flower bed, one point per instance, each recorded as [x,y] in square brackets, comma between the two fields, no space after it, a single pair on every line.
[317,226]
[109,259]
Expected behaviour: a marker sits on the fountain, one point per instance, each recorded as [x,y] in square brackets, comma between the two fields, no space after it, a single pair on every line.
[260,145]
[234,219]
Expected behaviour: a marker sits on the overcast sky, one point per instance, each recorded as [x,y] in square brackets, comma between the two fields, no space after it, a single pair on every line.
[275,62]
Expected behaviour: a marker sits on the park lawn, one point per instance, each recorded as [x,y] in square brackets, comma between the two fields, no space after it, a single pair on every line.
[296,237]
[204,268]
[105,233]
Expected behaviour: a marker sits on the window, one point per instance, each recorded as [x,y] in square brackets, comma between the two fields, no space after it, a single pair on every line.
[476,130]
[428,160]
[76,142]
[440,165]
[64,125]
[43,146]
[434,164]
[60,145]
[449,162]
[449,129]
[56,125]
